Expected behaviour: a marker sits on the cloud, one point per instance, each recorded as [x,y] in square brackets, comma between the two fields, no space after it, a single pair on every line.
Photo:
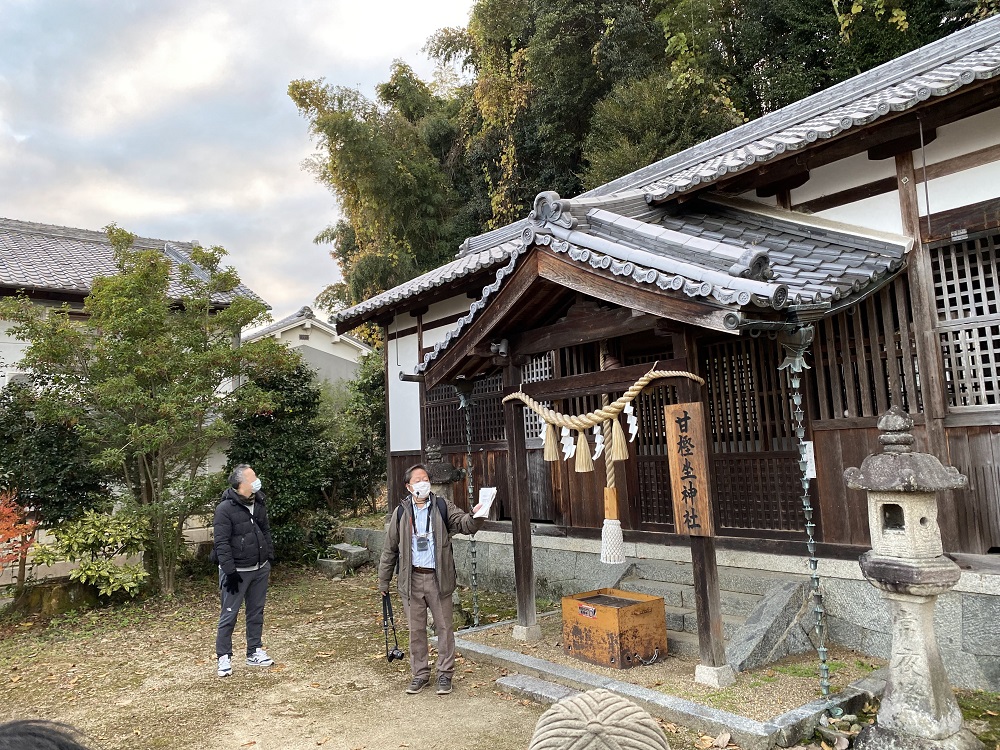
[172,119]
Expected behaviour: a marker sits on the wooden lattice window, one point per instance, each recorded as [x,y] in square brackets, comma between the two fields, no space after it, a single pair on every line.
[539,368]
[445,421]
[865,358]
[968,314]
[748,400]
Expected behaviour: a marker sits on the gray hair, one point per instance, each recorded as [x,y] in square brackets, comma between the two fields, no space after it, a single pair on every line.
[236,475]
[409,472]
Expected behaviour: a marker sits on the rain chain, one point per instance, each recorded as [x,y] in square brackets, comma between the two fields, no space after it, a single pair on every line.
[465,402]
[795,346]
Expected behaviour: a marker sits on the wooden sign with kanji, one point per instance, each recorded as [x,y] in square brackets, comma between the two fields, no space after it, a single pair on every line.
[687,450]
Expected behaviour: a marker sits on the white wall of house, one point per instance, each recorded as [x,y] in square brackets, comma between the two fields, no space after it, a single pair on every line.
[11,350]
[404,398]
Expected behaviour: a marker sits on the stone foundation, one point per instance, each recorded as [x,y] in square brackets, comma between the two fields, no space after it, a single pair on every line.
[967,618]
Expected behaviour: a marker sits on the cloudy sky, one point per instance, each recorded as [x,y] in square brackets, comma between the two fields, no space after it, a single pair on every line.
[171,118]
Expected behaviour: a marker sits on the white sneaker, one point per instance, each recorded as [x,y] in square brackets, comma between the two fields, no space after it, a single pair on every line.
[225,665]
[259,659]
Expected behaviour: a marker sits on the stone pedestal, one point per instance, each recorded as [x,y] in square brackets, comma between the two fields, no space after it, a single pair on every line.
[527,633]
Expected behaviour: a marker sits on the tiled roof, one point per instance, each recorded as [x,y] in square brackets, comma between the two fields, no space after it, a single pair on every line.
[937,69]
[456,269]
[734,254]
[48,258]
[303,313]
[934,70]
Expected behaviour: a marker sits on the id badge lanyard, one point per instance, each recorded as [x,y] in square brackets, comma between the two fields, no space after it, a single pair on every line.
[423,541]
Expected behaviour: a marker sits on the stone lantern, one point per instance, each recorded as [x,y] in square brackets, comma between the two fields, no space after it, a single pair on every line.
[906,563]
[442,474]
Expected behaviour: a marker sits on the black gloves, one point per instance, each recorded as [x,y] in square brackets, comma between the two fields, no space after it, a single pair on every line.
[232,582]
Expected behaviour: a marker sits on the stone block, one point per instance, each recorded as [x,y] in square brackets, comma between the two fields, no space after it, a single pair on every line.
[716,677]
[948,620]
[353,555]
[856,601]
[332,568]
[532,688]
[981,624]
[876,643]
[844,632]
[761,635]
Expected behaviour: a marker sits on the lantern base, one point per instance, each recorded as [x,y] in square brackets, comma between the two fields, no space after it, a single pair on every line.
[877,738]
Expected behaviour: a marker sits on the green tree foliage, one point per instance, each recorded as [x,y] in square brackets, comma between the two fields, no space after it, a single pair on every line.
[385,164]
[94,543]
[353,419]
[286,447]
[143,378]
[47,464]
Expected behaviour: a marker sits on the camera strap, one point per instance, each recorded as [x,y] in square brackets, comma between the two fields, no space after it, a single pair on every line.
[387,621]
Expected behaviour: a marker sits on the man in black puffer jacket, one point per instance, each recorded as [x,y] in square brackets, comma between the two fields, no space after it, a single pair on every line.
[244,549]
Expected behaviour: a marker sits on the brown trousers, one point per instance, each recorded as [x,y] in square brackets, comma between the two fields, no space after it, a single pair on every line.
[424,595]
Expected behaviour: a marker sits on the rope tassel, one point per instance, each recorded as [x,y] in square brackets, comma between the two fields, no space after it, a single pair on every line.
[551,443]
[584,463]
[618,451]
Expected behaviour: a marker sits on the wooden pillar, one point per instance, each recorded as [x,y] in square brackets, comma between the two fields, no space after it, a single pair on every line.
[929,360]
[527,628]
[708,605]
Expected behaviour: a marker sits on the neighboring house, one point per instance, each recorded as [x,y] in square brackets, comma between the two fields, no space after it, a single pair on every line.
[56,265]
[862,223]
[332,356]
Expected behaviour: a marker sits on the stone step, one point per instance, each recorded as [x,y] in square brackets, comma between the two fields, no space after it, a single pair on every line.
[680,618]
[535,689]
[682,643]
[737,580]
[680,595]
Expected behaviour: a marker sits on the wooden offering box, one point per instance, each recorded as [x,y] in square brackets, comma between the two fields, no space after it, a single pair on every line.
[613,628]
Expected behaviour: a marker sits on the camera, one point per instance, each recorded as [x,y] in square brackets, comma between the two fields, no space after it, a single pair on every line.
[393,654]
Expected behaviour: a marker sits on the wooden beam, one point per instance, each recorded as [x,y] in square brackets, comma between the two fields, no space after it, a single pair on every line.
[783,185]
[602,381]
[520,510]
[582,324]
[507,297]
[628,293]
[963,221]
[929,360]
[909,142]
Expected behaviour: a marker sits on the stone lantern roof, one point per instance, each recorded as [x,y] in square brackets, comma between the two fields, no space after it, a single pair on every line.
[898,469]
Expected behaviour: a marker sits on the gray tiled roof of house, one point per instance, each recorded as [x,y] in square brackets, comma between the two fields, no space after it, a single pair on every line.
[734,254]
[47,258]
[465,265]
[303,313]
[936,69]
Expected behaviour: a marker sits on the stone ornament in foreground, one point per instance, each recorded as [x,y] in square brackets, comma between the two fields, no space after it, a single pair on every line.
[597,720]
[907,565]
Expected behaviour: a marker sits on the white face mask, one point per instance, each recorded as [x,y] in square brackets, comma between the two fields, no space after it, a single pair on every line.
[421,489]
[255,485]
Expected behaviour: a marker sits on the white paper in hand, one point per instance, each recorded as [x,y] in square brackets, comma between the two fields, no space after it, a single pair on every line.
[486,495]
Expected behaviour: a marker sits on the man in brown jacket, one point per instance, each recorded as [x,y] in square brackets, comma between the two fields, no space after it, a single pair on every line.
[418,539]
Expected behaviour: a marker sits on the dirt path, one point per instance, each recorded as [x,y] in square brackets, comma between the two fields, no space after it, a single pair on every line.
[143,676]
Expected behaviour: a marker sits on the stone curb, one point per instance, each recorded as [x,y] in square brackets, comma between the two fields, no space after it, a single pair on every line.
[782,731]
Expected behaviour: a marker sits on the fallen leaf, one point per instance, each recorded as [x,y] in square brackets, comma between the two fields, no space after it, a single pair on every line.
[722,740]
[992,713]
[248,744]
[15,679]
[842,744]
[323,741]
[825,746]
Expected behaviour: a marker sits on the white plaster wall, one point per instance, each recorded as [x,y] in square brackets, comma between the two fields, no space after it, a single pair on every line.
[459,304]
[11,348]
[960,189]
[404,398]
[841,175]
[962,137]
[880,212]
